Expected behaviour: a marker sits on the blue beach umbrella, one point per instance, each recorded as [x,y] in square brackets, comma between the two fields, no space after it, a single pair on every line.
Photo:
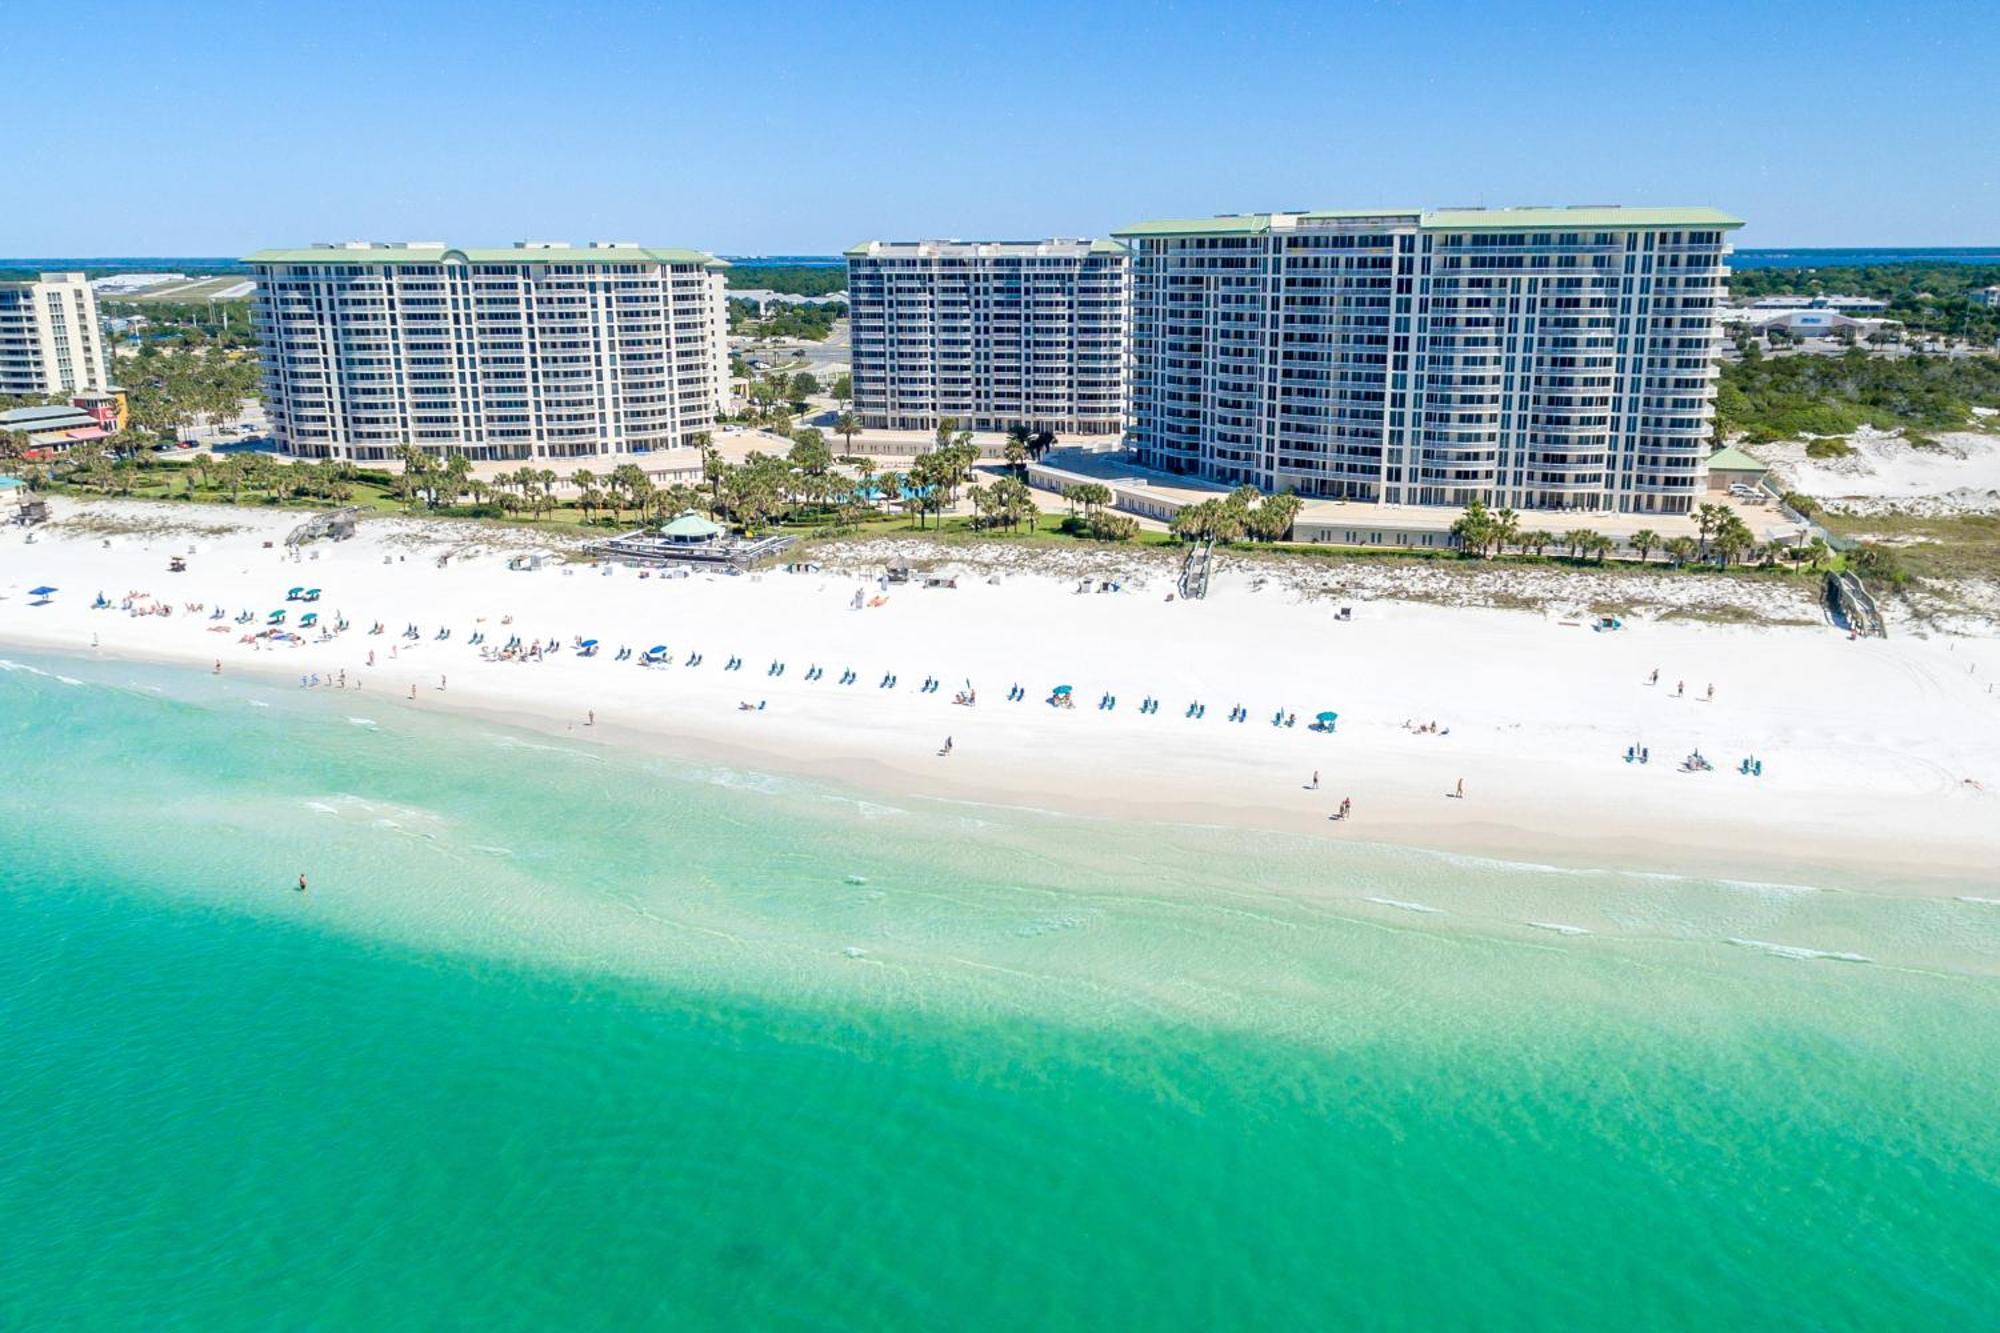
[589,643]
[1329,717]
[1063,689]
[42,591]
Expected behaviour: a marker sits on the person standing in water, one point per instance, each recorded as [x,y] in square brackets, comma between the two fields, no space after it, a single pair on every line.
[302,881]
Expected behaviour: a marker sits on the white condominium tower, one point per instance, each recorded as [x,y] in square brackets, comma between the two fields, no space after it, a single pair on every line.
[539,351]
[49,339]
[990,334]
[1542,358]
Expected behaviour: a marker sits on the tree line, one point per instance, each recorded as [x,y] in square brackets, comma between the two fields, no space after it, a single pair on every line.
[1722,538]
[1782,398]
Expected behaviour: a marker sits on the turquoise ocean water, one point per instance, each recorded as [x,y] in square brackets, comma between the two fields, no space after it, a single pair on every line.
[569,1037]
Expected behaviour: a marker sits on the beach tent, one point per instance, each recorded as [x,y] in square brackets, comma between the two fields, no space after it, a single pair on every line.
[294,594]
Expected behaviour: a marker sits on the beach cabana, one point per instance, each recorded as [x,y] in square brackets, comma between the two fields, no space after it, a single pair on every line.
[1731,466]
[1325,721]
[294,594]
[312,595]
[691,529]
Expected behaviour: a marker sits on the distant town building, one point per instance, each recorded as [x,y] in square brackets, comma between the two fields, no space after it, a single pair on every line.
[49,339]
[1987,296]
[539,351]
[123,284]
[1805,322]
[989,334]
[1539,358]
[1847,305]
[764,298]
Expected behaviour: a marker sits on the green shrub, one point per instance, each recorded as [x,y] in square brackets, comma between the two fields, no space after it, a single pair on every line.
[1828,449]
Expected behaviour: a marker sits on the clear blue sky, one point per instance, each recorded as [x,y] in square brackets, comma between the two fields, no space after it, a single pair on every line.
[204,127]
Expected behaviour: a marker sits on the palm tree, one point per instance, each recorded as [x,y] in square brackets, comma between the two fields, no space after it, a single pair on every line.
[1537,540]
[1506,529]
[1575,540]
[1645,541]
[1473,528]
[1680,550]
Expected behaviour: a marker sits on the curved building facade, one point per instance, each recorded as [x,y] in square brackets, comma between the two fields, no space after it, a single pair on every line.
[1539,358]
[539,351]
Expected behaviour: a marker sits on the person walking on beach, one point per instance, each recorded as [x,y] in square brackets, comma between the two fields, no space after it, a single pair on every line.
[590,717]
[1460,793]
[1654,679]
[1711,691]
[1315,781]
[440,683]
[1680,688]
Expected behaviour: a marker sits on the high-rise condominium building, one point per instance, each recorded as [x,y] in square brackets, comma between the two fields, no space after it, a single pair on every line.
[539,351]
[49,339]
[989,334]
[1542,358]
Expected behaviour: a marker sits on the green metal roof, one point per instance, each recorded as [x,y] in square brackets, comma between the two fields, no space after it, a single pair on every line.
[1731,459]
[691,526]
[1509,219]
[1448,219]
[1235,224]
[396,254]
[1097,247]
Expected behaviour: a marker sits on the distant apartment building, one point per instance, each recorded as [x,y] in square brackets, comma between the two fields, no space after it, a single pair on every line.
[49,339]
[1538,358]
[989,334]
[539,351]
[1987,296]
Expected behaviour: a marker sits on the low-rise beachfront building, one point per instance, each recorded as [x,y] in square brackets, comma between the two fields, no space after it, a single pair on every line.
[989,334]
[539,351]
[1538,358]
[49,339]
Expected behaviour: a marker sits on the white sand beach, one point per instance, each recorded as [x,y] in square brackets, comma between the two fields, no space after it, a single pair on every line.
[1881,759]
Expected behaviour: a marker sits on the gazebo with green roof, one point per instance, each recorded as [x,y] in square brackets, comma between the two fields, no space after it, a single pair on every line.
[1730,466]
[691,529]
